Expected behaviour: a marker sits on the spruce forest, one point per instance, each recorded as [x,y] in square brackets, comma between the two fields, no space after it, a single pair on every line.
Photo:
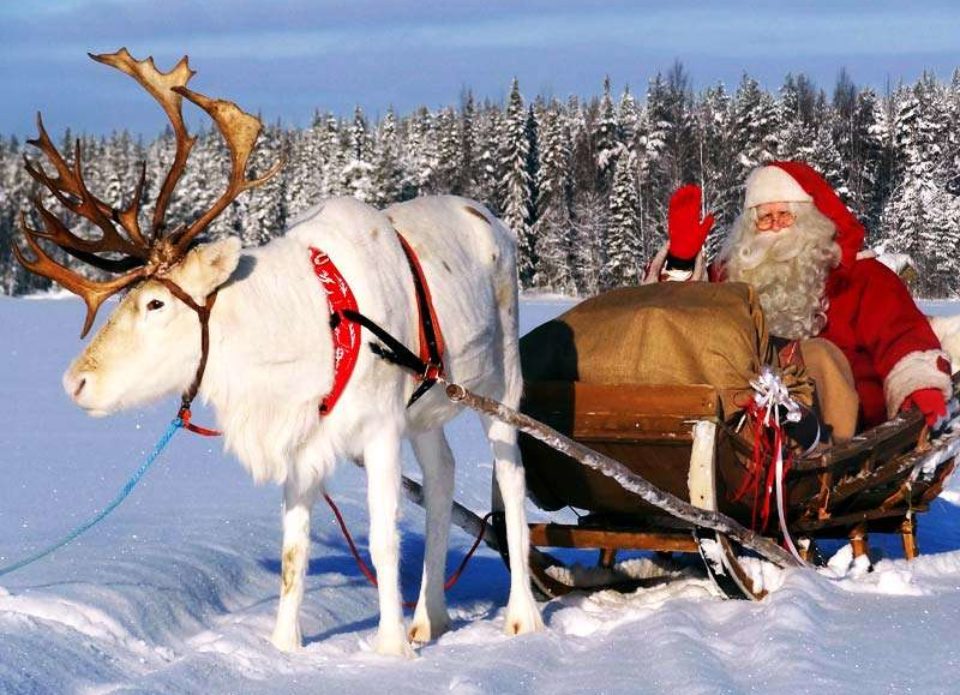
[584,182]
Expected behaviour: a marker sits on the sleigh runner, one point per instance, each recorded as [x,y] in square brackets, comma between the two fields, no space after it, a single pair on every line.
[664,467]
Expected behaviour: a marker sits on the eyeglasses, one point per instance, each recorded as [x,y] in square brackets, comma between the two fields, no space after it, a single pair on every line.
[779,220]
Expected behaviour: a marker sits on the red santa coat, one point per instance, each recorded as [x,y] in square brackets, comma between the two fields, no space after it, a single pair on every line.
[890,346]
[874,321]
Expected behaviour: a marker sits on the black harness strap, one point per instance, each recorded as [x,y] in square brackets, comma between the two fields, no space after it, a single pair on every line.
[393,350]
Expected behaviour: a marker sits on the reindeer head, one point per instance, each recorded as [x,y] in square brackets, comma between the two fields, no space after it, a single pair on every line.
[151,343]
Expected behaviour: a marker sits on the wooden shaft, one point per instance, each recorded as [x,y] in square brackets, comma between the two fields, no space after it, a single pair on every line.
[627,479]
[460,515]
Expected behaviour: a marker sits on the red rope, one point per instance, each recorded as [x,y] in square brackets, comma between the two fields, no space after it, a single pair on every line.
[761,475]
[372,577]
[185,416]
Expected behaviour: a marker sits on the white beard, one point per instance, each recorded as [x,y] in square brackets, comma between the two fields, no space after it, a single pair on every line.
[788,269]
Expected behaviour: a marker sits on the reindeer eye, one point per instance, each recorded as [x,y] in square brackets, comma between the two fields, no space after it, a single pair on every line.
[154,304]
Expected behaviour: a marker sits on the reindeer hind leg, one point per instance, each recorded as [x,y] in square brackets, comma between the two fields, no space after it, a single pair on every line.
[430,620]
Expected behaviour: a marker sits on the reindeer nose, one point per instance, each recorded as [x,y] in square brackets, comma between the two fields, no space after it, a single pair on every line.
[73,383]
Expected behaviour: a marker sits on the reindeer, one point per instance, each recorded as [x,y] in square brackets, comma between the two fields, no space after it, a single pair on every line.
[250,332]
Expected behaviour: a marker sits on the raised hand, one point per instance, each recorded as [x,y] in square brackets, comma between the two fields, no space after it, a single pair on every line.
[686,230]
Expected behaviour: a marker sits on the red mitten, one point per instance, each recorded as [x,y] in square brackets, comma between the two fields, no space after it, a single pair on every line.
[930,402]
[687,232]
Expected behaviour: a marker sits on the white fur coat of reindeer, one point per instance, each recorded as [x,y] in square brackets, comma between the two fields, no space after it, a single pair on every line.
[270,357]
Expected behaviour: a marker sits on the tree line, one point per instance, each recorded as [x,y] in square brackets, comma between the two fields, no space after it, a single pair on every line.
[584,182]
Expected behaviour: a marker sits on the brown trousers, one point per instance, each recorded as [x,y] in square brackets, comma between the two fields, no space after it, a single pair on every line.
[835,387]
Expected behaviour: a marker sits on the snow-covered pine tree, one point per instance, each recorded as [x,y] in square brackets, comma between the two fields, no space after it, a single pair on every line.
[754,126]
[606,138]
[855,121]
[203,180]
[671,152]
[265,215]
[918,216]
[489,165]
[717,164]
[419,154]
[357,174]
[448,152]
[795,113]
[589,234]
[623,257]
[304,171]
[331,163]
[516,183]
[822,153]
[583,158]
[628,119]
[467,174]
[554,226]
[387,175]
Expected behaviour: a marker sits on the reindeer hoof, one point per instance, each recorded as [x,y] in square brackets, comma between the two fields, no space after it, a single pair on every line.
[523,617]
[422,631]
[286,640]
[394,646]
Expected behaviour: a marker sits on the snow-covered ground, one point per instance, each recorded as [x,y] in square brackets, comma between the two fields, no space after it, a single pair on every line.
[176,591]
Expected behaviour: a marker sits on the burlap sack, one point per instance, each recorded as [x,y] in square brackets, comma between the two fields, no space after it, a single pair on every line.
[667,333]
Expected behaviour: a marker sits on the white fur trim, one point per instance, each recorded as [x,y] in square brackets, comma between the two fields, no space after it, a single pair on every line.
[916,370]
[771,184]
[699,273]
[866,254]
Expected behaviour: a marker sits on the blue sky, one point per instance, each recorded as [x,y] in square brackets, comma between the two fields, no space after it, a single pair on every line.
[285,59]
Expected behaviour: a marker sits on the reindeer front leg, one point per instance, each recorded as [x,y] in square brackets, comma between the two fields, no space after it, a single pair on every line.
[297,505]
[381,458]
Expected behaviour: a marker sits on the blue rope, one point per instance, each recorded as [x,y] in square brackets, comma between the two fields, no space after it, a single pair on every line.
[121,496]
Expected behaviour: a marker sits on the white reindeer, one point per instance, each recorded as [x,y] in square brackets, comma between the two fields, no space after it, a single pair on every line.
[270,357]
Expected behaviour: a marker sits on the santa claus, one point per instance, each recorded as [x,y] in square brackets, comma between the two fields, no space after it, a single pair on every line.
[800,247]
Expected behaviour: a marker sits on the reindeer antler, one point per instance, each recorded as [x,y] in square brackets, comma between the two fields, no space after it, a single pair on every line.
[140,255]
[240,130]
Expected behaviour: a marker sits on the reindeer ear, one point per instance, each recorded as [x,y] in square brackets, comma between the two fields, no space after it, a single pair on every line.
[208,266]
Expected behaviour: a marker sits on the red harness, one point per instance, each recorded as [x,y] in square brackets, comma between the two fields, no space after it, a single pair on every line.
[346,334]
[344,317]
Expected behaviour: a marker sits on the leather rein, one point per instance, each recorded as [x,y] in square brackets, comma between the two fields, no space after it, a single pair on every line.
[203,314]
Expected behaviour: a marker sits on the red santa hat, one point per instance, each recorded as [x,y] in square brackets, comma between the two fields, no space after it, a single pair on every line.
[797,182]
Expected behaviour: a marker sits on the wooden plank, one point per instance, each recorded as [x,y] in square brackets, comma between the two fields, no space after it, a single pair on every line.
[621,413]
[806,525]
[630,400]
[887,439]
[567,536]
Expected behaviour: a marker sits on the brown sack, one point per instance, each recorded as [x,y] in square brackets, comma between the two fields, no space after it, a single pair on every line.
[668,333]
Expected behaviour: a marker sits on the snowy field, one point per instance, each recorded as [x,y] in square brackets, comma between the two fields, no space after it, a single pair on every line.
[176,591]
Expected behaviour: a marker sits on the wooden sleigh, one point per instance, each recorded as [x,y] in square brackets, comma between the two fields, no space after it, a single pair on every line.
[680,440]
[663,468]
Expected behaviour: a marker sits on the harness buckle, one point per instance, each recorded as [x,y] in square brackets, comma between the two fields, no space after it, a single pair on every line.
[432,372]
